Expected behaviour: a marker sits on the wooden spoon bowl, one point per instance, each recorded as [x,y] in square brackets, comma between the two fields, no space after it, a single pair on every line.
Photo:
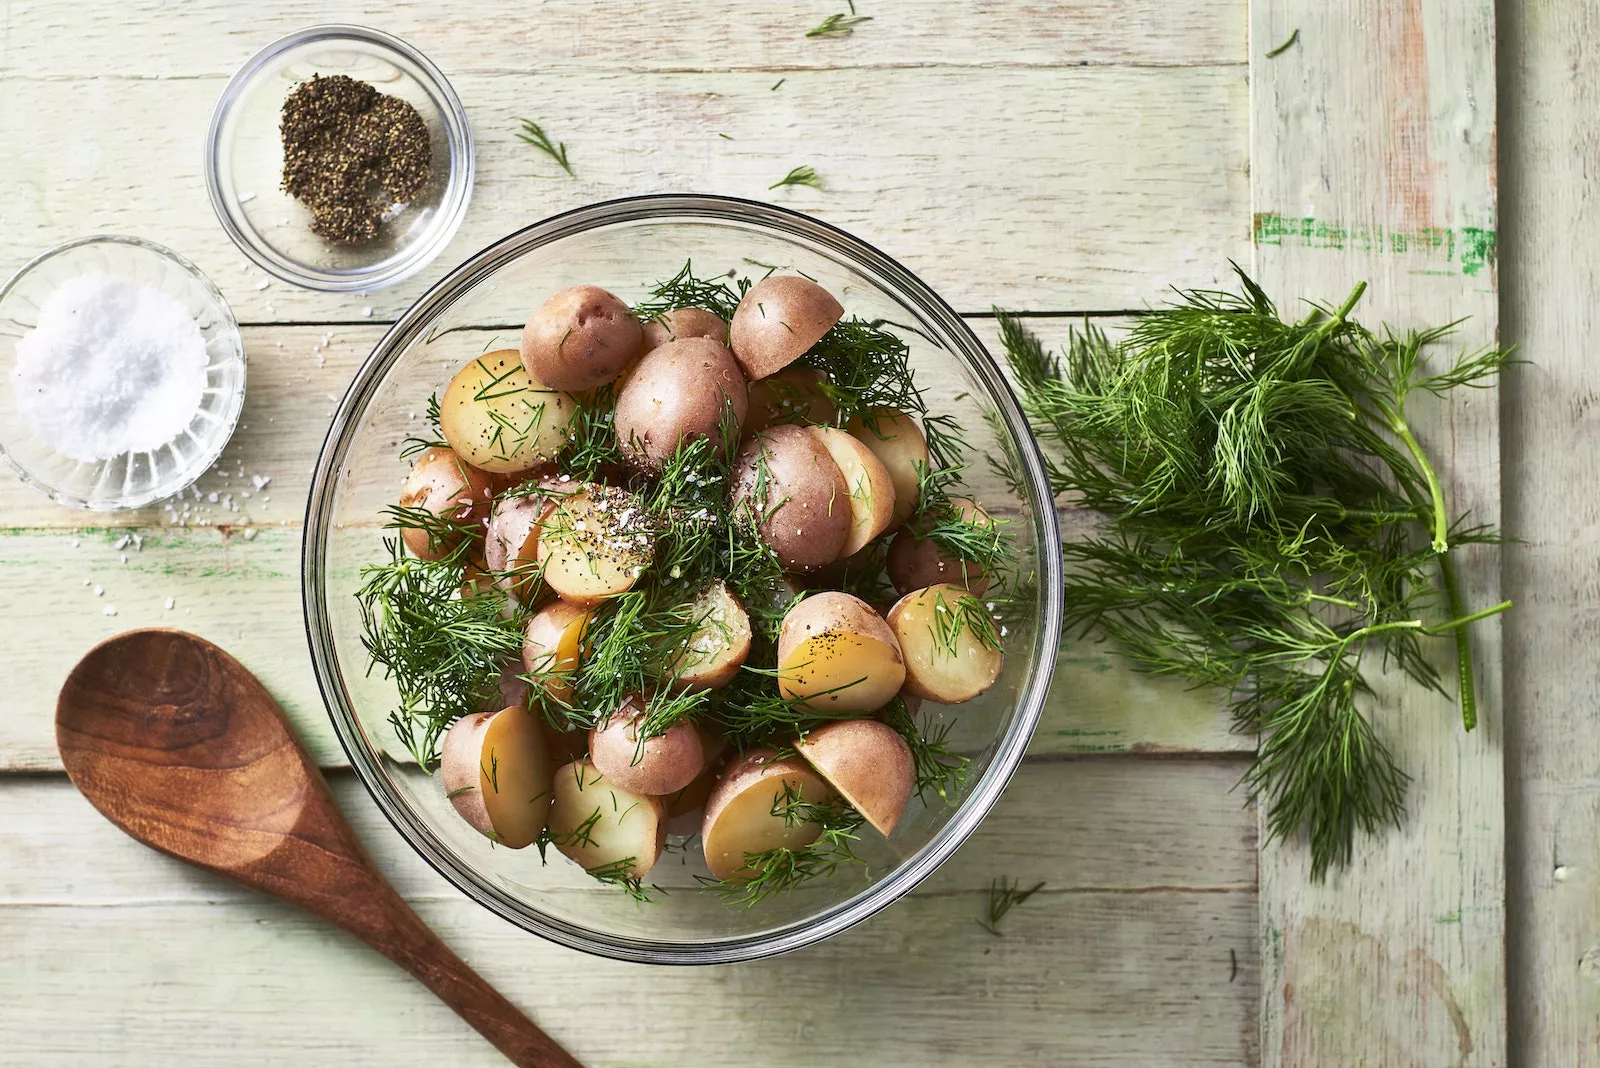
[178,744]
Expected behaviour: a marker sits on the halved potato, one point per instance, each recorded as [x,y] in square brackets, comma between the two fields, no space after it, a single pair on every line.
[777,320]
[871,490]
[580,338]
[867,763]
[739,813]
[717,649]
[495,768]
[897,441]
[659,765]
[796,495]
[498,417]
[595,543]
[915,562]
[444,485]
[599,824]
[511,542]
[682,323]
[793,395]
[677,392]
[552,644]
[951,645]
[838,654]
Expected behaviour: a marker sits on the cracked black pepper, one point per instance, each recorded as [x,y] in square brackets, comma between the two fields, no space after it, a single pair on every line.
[350,154]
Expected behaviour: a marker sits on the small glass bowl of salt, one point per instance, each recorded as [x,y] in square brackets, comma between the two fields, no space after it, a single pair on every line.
[121,373]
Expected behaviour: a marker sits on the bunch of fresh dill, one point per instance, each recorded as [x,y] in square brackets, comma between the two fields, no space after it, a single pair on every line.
[1268,525]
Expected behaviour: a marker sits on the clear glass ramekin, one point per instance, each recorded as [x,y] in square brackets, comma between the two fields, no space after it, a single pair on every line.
[624,245]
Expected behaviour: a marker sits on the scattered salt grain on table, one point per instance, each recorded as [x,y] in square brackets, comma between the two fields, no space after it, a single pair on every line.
[112,367]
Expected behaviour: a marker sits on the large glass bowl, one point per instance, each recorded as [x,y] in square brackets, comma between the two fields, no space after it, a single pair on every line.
[625,245]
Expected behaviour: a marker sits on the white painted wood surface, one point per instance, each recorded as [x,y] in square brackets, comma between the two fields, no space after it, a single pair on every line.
[1375,133]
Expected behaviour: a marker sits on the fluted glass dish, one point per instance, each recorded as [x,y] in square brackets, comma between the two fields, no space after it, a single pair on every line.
[625,246]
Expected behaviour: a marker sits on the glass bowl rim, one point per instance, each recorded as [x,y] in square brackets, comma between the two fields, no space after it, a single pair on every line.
[458,191]
[230,327]
[319,514]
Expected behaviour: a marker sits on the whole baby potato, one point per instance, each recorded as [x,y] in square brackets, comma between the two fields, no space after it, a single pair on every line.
[797,495]
[778,319]
[678,392]
[582,337]
[683,323]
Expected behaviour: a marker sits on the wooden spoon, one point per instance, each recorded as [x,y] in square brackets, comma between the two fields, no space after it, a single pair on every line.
[174,741]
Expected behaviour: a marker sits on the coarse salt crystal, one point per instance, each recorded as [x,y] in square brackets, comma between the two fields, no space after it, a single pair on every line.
[99,591]
[245,198]
[110,609]
[170,603]
[366,313]
[264,283]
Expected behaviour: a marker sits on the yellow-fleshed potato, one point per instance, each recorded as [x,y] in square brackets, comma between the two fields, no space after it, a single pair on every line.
[495,768]
[552,646]
[777,320]
[739,813]
[838,654]
[500,419]
[580,338]
[601,825]
[511,541]
[951,646]
[715,652]
[867,763]
[679,391]
[916,562]
[796,493]
[793,395]
[447,487]
[684,322]
[871,490]
[659,765]
[595,543]
[897,441]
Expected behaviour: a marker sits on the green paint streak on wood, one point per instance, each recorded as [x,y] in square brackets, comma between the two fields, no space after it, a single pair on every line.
[1078,732]
[1470,248]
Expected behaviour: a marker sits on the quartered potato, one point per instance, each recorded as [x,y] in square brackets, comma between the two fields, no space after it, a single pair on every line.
[897,441]
[951,646]
[678,391]
[777,320]
[499,418]
[496,771]
[446,486]
[739,813]
[793,395]
[595,543]
[915,562]
[601,825]
[552,644]
[871,490]
[867,763]
[838,654]
[660,765]
[797,494]
[716,650]
[580,338]
[684,322]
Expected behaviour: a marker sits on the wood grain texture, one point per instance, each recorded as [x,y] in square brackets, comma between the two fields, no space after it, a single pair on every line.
[1128,958]
[1376,130]
[1550,92]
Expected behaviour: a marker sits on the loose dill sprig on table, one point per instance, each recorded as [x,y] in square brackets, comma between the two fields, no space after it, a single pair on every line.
[1270,523]
[778,871]
[801,175]
[938,770]
[534,135]
[839,25]
[685,290]
[1005,895]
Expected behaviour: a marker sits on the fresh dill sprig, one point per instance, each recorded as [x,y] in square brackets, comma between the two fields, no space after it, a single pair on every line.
[592,448]
[938,771]
[839,25]
[751,708]
[780,870]
[801,175]
[411,446]
[1270,525]
[534,135]
[865,367]
[686,290]
[620,873]
[1005,895]
[967,615]
[1287,44]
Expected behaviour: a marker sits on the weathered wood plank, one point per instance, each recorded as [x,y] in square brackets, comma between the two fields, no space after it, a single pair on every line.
[1068,188]
[1549,91]
[1140,951]
[1376,132]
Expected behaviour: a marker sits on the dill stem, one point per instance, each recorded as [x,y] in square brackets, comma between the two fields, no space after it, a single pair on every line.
[1441,521]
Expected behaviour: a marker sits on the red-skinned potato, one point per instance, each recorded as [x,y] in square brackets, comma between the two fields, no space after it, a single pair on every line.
[871,491]
[659,765]
[495,768]
[717,649]
[916,562]
[598,823]
[446,486]
[684,322]
[787,478]
[594,544]
[677,392]
[739,817]
[499,418]
[552,644]
[511,541]
[867,763]
[580,338]
[778,319]
[838,654]
[897,442]
[793,395]
[950,644]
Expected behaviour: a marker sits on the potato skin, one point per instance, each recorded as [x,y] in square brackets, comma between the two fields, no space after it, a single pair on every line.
[580,338]
[510,543]
[868,763]
[914,562]
[778,320]
[683,323]
[552,641]
[871,489]
[678,391]
[501,419]
[663,765]
[831,612]
[805,494]
[793,395]
[496,771]
[444,484]
[836,652]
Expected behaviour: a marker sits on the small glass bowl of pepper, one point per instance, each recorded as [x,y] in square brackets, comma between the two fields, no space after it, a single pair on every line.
[327,241]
